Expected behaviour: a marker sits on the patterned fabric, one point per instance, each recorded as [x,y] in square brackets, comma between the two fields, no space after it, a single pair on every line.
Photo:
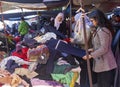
[40,54]
[25,72]
[12,79]
[45,37]
[17,60]
[63,78]
[103,57]
[44,83]
[68,78]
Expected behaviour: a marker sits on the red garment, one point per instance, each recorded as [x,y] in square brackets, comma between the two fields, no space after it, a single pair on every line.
[17,39]
[67,40]
[22,54]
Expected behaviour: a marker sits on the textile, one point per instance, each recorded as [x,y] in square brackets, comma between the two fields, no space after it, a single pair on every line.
[26,72]
[117,74]
[69,77]
[11,65]
[65,47]
[40,54]
[23,28]
[44,83]
[45,37]
[60,35]
[63,78]
[17,60]
[104,59]
[79,29]
[57,22]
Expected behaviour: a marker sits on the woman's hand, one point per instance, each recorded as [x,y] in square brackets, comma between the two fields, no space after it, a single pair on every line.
[85,57]
[71,40]
[89,56]
[90,50]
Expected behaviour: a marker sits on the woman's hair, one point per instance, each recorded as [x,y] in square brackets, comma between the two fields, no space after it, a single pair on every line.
[102,19]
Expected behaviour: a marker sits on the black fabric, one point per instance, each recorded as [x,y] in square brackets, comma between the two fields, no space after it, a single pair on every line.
[43,73]
[56,53]
[26,79]
[105,79]
[70,59]
[31,43]
[84,73]
[59,34]
[62,28]
[117,74]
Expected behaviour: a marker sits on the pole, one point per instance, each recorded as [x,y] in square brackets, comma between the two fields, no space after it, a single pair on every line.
[86,48]
[2,18]
[70,17]
[22,12]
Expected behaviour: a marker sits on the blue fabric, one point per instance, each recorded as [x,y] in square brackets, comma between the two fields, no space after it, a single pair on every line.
[11,65]
[116,39]
[62,47]
[66,48]
[117,74]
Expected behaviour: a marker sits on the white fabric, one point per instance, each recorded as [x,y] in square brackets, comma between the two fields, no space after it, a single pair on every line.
[56,22]
[79,30]
[46,37]
[15,58]
[62,62]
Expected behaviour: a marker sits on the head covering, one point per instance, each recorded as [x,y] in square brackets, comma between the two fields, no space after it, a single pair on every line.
[56,22]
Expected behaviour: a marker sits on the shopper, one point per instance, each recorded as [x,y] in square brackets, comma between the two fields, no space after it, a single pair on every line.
[104,62]
[23,28]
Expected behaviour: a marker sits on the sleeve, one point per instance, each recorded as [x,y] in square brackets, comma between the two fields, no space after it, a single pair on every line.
[104,41]
[19,28]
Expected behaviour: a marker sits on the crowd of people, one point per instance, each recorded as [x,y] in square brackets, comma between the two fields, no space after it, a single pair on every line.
[68,45]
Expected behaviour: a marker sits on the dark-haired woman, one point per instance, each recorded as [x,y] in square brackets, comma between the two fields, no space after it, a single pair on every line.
[104,62]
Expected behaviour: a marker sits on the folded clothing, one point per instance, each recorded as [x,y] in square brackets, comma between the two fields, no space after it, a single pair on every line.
[45,83]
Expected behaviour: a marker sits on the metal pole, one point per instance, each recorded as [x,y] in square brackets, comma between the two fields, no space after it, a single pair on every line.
[2,18]
[22,12]
[86,48]
[70,17]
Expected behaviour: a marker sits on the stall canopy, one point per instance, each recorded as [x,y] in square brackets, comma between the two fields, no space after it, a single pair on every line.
[104,5]
[36,4]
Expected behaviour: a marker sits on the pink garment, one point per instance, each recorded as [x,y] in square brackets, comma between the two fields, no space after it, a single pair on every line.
[45,83]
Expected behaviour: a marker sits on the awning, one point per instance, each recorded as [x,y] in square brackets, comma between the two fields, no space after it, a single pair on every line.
[104,5]
[36,4]
[13,16]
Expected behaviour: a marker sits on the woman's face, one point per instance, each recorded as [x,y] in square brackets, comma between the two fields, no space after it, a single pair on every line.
[95,22]
[60,19]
